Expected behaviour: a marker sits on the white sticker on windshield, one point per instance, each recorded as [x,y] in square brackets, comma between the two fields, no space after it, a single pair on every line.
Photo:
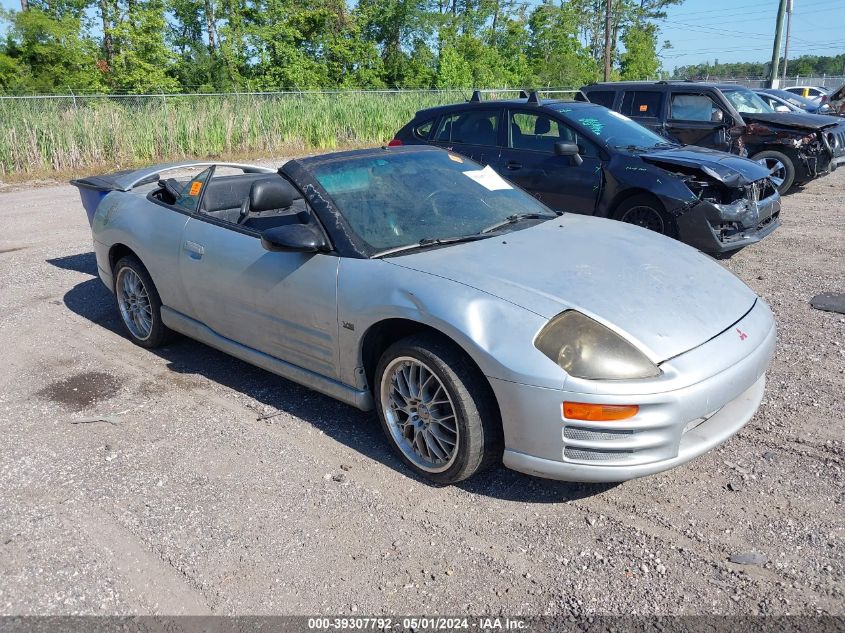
[488,179]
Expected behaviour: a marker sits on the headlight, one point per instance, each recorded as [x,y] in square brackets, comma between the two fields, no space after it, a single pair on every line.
[586,349]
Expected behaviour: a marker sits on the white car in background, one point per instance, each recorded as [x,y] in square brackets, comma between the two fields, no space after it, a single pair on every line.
[814,93]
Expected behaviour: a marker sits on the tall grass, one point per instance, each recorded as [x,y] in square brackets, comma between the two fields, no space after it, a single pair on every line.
[40,135]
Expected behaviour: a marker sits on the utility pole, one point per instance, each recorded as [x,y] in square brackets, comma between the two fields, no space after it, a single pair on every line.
[789,6]
[773,73]
[607,28]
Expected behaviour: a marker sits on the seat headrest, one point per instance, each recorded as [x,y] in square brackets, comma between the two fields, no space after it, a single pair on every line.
[270,193]
[542,125]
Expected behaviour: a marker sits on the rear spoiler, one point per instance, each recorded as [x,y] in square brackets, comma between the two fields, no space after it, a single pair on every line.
[93,189]
[128,179]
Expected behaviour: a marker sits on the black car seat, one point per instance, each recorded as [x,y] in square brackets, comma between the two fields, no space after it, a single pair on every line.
[481,133]
[269,205]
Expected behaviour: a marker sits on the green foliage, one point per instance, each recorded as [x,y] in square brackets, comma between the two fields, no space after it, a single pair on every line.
[640,61]
[556,54]
[806,65]
[154,46]
[103,132]
[143,60]
[48,54]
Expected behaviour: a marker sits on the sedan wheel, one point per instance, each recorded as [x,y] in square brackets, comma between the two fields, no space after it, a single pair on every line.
[646,211]
[419,414]
[776,168]
[138,303]
[134,302]
[780,166]
[437,409]
[646,217]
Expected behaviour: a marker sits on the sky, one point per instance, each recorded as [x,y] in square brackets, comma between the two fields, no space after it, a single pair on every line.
[743,30]
[737,30]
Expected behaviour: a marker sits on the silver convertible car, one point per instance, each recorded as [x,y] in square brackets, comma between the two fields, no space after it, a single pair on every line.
[481,326]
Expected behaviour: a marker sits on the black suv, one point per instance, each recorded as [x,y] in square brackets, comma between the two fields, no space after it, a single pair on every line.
[795,147]
[587,159]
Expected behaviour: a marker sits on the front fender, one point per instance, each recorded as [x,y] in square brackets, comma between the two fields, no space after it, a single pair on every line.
[496,334]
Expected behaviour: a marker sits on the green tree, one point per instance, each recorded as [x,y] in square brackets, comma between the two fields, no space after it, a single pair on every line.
[142,61]
[50,53]
[640,60]
[557,56]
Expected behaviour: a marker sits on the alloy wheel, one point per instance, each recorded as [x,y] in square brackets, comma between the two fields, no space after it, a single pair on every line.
[420,414]
[776,168]
[134,302]
[645,217]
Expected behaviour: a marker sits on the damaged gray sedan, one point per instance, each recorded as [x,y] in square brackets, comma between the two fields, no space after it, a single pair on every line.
[478,324]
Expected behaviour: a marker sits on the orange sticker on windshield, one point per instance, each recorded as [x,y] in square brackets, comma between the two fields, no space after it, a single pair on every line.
[457,159]
[195,188]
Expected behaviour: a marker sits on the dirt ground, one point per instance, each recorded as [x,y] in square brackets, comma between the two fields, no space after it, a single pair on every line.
[188,498]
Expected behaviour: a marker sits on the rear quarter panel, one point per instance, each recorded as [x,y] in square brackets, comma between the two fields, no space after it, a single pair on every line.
[153,232]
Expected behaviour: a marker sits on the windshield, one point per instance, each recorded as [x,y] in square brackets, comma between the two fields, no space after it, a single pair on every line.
[746,101]
[397,199]
[795,100]
[611,128]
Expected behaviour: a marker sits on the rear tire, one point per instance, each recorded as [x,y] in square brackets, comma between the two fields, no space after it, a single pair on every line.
[437,409]
[138,304]
[646,211]
[783,169]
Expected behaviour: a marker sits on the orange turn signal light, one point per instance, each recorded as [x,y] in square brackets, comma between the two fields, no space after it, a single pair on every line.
[598,412]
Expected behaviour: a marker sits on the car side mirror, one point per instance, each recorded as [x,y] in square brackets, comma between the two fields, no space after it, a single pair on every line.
[301,238]
[717,116]
[569,149]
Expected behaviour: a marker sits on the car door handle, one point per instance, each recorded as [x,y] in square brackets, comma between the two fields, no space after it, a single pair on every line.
[194,250]
[512,164]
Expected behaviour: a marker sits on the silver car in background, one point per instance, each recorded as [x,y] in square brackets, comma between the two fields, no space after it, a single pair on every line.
[478,324]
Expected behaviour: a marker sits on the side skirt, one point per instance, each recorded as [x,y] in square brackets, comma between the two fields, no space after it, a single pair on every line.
[362,399]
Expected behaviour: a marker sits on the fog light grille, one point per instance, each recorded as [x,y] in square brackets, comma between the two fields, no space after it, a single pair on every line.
[590,435]
[589,455]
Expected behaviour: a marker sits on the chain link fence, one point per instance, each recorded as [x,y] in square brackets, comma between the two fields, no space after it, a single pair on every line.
[825,81]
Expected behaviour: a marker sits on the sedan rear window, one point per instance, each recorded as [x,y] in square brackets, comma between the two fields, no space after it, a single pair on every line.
[422,130]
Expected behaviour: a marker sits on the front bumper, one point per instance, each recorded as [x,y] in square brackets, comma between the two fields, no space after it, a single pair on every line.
[671,427]
[717,229]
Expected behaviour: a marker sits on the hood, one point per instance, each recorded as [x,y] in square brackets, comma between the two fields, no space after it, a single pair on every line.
[730,169]
[799,120]
[663,296]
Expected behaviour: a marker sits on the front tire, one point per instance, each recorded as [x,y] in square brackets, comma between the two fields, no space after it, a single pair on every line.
[138,303]
[781,166]
[437,409]
[645,211]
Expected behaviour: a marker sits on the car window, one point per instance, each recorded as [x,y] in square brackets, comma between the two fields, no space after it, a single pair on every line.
[770,100]
[602,97]
[474,127]
[192,191]
[642,103]
[394,200]
[688,107]
[422,130]
[608,127]
[537,132]
[746,101]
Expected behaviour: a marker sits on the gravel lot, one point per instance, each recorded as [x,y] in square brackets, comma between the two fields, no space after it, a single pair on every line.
[189,499]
